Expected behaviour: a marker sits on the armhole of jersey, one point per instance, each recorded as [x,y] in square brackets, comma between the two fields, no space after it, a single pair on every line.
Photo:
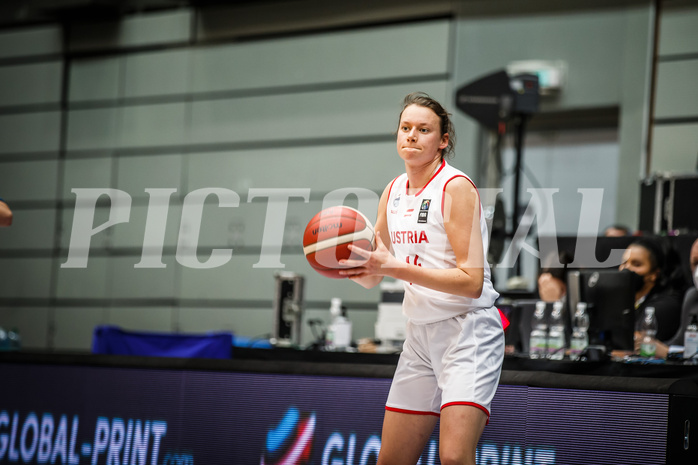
[443,194]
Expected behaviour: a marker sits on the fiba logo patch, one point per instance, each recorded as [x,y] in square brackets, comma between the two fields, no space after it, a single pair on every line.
[424,211]
[396,201]
[290,443]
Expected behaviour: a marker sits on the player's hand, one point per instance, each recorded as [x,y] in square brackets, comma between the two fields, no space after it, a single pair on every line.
[377,262]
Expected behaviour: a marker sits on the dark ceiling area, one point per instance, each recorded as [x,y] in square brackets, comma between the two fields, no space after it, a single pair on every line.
[26,12]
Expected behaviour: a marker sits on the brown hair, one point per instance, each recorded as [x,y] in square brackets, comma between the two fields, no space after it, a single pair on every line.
[424,100]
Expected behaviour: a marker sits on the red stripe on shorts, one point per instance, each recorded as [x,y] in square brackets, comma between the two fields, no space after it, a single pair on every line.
[472,404]
[411,412]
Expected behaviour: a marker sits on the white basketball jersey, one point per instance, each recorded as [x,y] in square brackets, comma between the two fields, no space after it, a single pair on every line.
[418,237]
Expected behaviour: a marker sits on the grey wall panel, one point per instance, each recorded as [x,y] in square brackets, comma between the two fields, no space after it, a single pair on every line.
[31,322]
[323,58]
[36,83]
[29,180]
[127,127]
[93,129]
[31,41]
[255,19]
[95,79]
[135,318]
[239,279]
[90,282]
[678,33]
[157,73]
[86,173]
[31,229]
[246,225]
[98,241]
[138,173]
[677,94]
[152,125]
[146,29]
[74,327]
[590,42]
[30,132]
[128,282]
[132,234]
[361,165]
[675,148]
[25,278]
[338,113]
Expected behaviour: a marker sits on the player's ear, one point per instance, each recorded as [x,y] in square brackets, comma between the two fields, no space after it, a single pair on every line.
[444,141]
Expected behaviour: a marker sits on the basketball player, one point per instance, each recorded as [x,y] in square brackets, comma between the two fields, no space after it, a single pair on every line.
[431,234]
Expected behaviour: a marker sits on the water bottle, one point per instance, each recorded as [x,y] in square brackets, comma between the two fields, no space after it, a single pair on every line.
[556,335]
[539,333]
[580,334]
[14,339]
[690,339]
[648,345]
[4,341]
[339,331]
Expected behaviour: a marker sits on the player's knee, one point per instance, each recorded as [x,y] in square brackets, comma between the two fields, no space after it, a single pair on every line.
[456,457]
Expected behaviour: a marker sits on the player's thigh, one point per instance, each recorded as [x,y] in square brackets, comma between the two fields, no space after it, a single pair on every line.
[459,432]
[404,437]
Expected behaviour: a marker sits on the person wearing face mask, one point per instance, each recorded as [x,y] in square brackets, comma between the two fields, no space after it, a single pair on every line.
[690,301]
[658,285]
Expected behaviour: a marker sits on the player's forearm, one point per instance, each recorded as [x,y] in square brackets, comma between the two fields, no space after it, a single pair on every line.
[367,281]
[466,282]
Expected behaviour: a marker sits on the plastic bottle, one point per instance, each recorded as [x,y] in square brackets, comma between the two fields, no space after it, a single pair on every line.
[580,331]
[14,339]
[339,331]
[4,341]
[556,335]
[690,339]
[539,333]
[648,345]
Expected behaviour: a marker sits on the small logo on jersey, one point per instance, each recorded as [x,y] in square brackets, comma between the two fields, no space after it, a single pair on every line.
[396,201]
[424,211]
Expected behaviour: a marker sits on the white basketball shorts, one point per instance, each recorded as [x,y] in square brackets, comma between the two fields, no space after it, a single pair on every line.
[451,362]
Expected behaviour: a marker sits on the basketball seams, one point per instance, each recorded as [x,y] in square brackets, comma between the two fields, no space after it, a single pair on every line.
[366,233]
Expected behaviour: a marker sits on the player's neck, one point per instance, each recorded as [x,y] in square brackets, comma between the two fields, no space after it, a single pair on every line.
[419,176]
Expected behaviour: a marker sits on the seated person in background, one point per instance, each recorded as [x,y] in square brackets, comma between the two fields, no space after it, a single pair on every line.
[552,280]
[690,301]
[617,230]
[659,285]
[5,214]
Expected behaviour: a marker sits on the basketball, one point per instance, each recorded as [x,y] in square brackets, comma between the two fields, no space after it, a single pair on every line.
[328,234]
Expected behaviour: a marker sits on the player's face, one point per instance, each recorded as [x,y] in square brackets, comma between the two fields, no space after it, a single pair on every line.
[419,134]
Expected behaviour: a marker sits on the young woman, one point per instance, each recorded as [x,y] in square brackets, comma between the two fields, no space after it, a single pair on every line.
[431,234]
[659,285]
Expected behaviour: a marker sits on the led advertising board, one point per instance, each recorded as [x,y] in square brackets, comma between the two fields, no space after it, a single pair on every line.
[73,415]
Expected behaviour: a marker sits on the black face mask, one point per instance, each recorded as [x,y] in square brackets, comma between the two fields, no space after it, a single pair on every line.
[637,280]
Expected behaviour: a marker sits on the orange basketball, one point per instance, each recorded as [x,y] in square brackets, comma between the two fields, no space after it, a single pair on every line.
[328,234]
